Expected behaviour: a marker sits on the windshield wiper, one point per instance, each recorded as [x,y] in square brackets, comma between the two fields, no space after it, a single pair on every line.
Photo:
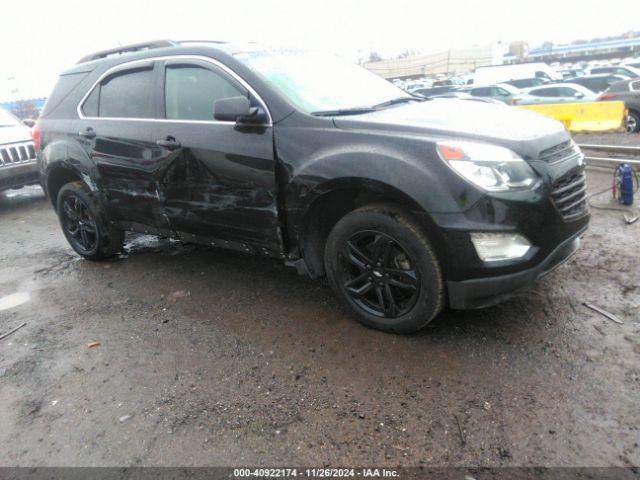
[395,101]
[343,111]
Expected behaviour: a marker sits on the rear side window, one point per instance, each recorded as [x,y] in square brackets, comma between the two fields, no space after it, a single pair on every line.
[545,92]
[127,94]
[190,92]
[481,92]
[566,92]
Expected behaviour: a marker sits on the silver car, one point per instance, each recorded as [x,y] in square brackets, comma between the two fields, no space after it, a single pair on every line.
[17,154]
[555,93]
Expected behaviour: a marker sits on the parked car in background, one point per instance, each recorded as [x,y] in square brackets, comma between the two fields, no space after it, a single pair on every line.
[627,91]
[555,93]
[406,205]
[503,73]
[501,92]
[461,95]
[531,82]
[434,91]
[627,71]
[416,85]
[18,165]
[568,73]
[598,83]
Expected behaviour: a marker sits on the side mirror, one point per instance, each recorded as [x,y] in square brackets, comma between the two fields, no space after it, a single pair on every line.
[29,123]
[579,95]
[237,109]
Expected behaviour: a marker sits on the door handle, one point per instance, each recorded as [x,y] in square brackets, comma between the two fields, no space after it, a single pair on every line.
[87,133]
[169,143]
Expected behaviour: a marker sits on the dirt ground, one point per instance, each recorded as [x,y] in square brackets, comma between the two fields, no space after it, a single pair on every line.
[209,357]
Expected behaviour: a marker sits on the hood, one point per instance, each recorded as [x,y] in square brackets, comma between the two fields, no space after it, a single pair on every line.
[15,134]
[445,117]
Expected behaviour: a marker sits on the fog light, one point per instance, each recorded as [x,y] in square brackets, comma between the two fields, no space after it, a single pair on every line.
[492,247]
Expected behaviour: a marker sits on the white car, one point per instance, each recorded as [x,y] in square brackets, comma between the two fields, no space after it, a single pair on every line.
[555,93]
[17,155]
[626,70]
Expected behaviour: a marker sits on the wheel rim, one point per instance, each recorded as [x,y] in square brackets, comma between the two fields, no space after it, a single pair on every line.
[378,275]
[79,224]
[632,124]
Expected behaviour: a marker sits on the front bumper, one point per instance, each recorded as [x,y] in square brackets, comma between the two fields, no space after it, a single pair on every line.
[484,292]
[16,175]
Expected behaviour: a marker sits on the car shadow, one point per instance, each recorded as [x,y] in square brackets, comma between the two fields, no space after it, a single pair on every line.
[310,304]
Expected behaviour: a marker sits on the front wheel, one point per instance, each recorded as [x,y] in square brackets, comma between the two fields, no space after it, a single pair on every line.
[84,223]
[380,263]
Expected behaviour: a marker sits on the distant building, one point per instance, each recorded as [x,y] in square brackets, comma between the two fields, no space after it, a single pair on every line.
[25,109]
[450,61]
[578,51]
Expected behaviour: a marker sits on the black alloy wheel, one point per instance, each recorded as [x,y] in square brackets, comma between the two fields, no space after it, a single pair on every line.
[378,274]
[80,225]
[381,264]
[85,224]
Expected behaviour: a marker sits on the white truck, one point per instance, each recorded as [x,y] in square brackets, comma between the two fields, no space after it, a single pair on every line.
[503,73]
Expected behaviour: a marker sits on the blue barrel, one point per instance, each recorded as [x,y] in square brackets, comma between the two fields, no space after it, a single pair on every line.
[624,184]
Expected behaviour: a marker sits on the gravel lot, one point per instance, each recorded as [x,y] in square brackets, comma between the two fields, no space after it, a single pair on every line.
[208,357]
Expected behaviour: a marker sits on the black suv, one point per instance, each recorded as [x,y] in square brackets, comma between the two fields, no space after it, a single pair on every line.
[405,203]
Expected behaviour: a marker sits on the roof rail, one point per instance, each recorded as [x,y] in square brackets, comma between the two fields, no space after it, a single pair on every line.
[136,47]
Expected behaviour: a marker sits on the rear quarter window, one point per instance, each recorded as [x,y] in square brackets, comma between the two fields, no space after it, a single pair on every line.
[64,86]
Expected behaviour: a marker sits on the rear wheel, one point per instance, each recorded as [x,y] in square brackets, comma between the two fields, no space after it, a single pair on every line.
[380,263]
[633,122]
[84,223]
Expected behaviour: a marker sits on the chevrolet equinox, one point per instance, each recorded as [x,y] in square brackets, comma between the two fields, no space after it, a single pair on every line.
[405,203]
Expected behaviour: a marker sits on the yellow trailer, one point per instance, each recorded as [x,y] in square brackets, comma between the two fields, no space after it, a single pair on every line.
[586,116]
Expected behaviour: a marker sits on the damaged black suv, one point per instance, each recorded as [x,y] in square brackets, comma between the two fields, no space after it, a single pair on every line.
[406,204]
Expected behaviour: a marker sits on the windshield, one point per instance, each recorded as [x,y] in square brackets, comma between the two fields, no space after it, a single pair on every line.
[317,82]
[7,120]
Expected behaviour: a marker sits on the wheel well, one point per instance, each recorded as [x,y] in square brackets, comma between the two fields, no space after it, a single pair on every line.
[57,179]
[328,209]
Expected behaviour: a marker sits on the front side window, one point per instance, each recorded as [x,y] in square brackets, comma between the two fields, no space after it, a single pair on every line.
[316,82]
[191,91]
[126,94]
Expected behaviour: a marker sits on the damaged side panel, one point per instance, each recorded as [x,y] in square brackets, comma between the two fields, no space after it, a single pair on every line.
[220,186]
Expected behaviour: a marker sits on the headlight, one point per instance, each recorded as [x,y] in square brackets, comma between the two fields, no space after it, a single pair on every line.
[490,167]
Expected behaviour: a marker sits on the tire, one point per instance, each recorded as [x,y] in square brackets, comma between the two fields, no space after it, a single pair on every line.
[377,254]
[84,223]
[633,122]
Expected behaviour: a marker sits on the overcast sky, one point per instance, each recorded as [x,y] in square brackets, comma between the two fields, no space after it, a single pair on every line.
[39,38]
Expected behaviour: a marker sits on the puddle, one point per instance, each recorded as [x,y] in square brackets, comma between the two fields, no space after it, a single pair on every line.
[13,300]
[28,191]
[138,243]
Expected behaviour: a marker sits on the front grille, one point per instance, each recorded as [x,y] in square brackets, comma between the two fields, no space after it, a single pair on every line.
[569,195]
[560,152]
[16,154]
